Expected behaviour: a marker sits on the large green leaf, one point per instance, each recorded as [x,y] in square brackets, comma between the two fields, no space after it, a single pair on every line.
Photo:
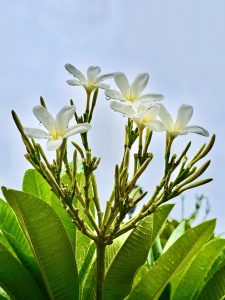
[36,185]
[194,276]
[215,288]
[87,262]
[173,260]
[15,279]
[178,231]
[9,224]
[89,289]
[12,231]
[112,249]
[50,244]
[132,254]
[5,243]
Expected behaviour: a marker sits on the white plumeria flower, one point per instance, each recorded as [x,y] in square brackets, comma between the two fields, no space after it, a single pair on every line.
[132,93]
[180,127]
[57,128]
[143,116]
[92,81]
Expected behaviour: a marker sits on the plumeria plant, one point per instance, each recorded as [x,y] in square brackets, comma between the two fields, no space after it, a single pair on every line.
[105,238]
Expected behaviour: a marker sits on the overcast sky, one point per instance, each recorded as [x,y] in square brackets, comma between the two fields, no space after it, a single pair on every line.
[180,43]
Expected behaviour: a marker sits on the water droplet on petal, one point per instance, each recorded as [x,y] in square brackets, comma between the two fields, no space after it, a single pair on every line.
[41,124]
[107,98]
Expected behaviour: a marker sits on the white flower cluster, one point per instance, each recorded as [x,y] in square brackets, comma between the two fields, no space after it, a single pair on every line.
[145,110]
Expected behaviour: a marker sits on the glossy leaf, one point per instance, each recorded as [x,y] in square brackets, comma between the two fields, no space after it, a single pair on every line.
[173,260]
[215,288]
[9,224]
[178,231]
[15,279]
[36,185]
[194,276]
[89,289]
[18,243]
[87,262]
[132,254]
[49,242]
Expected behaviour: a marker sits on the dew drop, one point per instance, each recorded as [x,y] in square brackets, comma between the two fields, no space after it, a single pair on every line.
[107,98]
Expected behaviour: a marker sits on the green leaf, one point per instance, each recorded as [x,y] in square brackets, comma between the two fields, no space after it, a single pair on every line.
[89,289]
[50,244]
[215,288]
[27,261]
[88,259]
[36,185]
[173,260]
[83,244]
[19,245]
[9,224]
[140,273]
[133,254]
[15,280]
[178,232]
[5,243]
[112,249]
[195,274]
[3,295]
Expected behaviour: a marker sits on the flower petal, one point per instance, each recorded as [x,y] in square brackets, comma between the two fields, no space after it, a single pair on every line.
[73,82]
[122,108]
[92,73]
[54,144]
[79,128]
[152,112]
[105,76]
[36,133]
[152,97]
[113,94]
[156,125]
[184,115]
[63,117]
[42,114]
[194,129]
[166,118]
[102,86]
[75,72]
[139,84]
[122,83]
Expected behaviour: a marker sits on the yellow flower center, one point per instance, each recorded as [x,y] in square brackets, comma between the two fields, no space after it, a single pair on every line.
[56,135]
[144,120]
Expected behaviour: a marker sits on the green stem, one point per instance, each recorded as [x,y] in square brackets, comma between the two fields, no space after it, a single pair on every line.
[88,104]
[96,200]
[100,270]
[140,145]
[169,141]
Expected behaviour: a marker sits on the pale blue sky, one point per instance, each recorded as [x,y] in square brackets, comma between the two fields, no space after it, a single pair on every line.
[180,43]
